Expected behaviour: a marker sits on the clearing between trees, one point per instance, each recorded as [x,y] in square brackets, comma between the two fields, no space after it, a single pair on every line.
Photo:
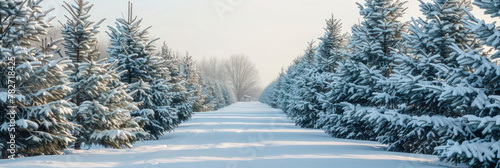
[243,135]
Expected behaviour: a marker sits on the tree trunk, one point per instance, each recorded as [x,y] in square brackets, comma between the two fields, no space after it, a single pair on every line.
[78,145]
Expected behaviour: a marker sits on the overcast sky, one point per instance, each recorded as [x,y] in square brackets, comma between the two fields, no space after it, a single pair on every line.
[271,32]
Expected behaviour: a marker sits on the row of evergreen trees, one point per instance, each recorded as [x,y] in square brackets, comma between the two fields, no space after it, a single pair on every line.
[424,86]
[139,93]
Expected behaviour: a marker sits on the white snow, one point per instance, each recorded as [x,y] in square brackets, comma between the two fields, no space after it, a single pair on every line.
[243,135]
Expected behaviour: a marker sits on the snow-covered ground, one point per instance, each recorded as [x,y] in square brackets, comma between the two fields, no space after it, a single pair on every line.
[244,135]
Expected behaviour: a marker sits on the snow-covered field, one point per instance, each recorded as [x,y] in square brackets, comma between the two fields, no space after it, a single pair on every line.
[244,135]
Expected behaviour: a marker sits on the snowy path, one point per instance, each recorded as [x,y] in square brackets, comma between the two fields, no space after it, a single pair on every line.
[244,135]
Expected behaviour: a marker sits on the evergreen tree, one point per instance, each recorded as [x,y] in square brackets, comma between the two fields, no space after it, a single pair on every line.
[172,63]
[427,76]
[221,102]
[96,90]
[134,51]
[79,33]
[373,43]
[269,94]
[191,77]
[141,67]
[80,37]
[329,49]
[181,101]
[476,84]
[279,93]
[380,31]
[303,105]
[228,97]
[104,113]
[187,85]
[205,97]
[33,83]
[199,98]
[363,72]
[432,58]
[157,107]
[209,91]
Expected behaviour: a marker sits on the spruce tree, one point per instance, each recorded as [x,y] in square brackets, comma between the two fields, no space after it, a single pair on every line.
[105,110]
[221,102]
[303,105]
[172,63]
[199,99]
[228,97]
[208,89]
[432,58]
[33,84]
[427,75]
[380,31]
[364,71]
[134,51]
[141,67]
[80,34]
[328,52]
[96,88]
[476,83]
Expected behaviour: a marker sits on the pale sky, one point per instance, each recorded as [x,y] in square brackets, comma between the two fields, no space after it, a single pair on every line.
[271,32]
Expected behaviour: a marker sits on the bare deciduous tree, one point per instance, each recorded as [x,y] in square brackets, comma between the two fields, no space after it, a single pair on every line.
[243,75]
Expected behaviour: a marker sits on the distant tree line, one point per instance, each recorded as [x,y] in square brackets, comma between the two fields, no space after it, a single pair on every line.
[238,71]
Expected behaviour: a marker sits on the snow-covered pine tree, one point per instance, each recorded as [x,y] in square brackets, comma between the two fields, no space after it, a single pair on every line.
[373,40]
[33,82]
[431,57]
[424,76]
[181,82]
[181,101]
[304,105]
[200,105]
[357,77]
[221,102]
[171,62]
[288,86]
[199,99]
[191,76]
[134,51]
[140,67]
[352,84]
[293,81]
[478,84]
[209,92]
[228,97]
[479,88]
[105,110]
[158,109]
[80,34]
[189,72]
[331,51]
[93,86]
[482,70]
[269,93]
[373,43]
[328,52]
[278,90]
